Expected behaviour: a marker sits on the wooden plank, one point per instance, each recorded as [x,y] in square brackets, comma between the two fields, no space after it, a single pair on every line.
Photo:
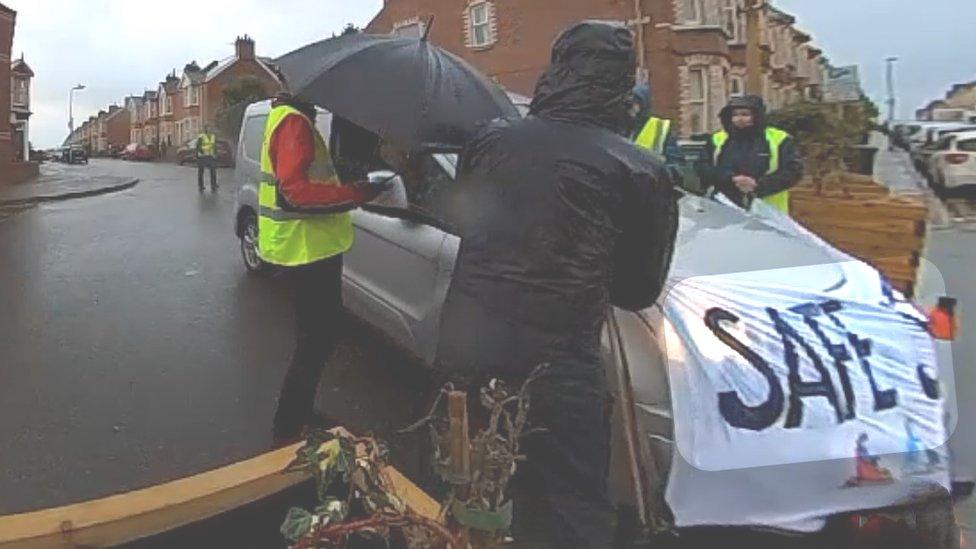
[889,208]
[873,209]
[893,226]
[460,441]
[898,244]
[416,499]
[135,515]
[868,190]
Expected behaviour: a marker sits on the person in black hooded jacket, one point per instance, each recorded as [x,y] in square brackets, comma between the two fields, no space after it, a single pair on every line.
[560,216]
[749,158]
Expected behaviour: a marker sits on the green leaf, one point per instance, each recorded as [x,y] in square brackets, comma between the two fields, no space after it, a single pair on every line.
[298,523]
[332,511]
[325,480]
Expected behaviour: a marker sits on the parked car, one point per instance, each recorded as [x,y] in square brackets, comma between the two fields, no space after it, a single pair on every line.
[654,347]
[923,150]
[136,152]
[74,155]
[952,163]
[899,132]
[187,153]
[924,134]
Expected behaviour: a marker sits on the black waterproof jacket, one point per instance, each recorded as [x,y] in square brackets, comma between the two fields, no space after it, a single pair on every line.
[560,215]
[747,153]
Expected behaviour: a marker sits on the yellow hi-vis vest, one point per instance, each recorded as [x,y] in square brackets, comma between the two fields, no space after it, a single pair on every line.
[208,144]
[654,135]
[290,238]
[775,137]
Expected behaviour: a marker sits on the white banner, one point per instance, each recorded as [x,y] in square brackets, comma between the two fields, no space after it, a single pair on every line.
[792,405]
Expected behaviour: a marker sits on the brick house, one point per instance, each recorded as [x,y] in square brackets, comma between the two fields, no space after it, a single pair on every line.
[20,113]
[168,95]
[136,109]
[693,51]
[150,120]
[243,64]
[188,125]
[117,128]
[959,104]
[7,21]
[100,137]
[183,103]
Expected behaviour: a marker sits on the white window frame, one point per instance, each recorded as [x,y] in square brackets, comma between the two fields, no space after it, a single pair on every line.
[730,14]
[703,101]
[20,94]
[408,23]
[486,7]
[697,17]
[191,96]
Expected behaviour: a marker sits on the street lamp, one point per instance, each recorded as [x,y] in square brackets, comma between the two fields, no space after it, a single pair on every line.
[890,77]
[71,118]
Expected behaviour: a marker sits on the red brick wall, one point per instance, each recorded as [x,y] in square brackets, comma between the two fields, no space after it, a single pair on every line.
[117,129]
[179,111]
[526,31]
[213,90]
[7,20]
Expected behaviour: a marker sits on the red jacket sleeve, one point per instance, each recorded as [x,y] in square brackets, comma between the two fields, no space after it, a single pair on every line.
[292,151]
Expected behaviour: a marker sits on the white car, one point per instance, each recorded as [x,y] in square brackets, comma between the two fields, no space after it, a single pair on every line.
[767,469]
[953,163]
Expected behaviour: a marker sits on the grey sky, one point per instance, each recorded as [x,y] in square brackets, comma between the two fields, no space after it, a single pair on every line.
[118,47]
[934,40]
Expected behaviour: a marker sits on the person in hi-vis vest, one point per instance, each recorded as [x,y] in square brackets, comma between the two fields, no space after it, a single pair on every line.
[651,132]
[206,157]
[749,159]
[304,227]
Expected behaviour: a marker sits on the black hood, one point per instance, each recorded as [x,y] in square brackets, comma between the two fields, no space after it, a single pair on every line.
[751,102]
[590,78]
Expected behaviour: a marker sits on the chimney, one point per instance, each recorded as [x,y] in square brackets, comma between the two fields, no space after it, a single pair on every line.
[244,47]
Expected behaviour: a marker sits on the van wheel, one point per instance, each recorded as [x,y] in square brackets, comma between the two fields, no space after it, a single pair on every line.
[249,245]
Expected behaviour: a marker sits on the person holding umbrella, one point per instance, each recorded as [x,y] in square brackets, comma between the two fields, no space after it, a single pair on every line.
[560,216]
[304,226]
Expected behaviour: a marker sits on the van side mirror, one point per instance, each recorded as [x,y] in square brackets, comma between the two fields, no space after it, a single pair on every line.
[395,196]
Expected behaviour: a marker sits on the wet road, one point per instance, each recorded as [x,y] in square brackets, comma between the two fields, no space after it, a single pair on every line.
[135,349]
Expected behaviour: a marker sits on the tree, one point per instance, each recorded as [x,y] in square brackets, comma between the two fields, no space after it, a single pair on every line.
[826,133]
[234,100]
[350,29]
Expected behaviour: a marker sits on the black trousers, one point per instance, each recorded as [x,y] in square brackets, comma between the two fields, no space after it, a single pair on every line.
[204,162]
[569,462]
[567,466]
[318,313]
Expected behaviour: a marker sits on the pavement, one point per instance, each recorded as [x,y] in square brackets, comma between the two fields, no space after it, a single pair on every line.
[136,349]
[61,182]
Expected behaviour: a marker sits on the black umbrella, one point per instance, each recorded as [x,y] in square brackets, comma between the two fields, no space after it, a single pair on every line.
[404,89]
